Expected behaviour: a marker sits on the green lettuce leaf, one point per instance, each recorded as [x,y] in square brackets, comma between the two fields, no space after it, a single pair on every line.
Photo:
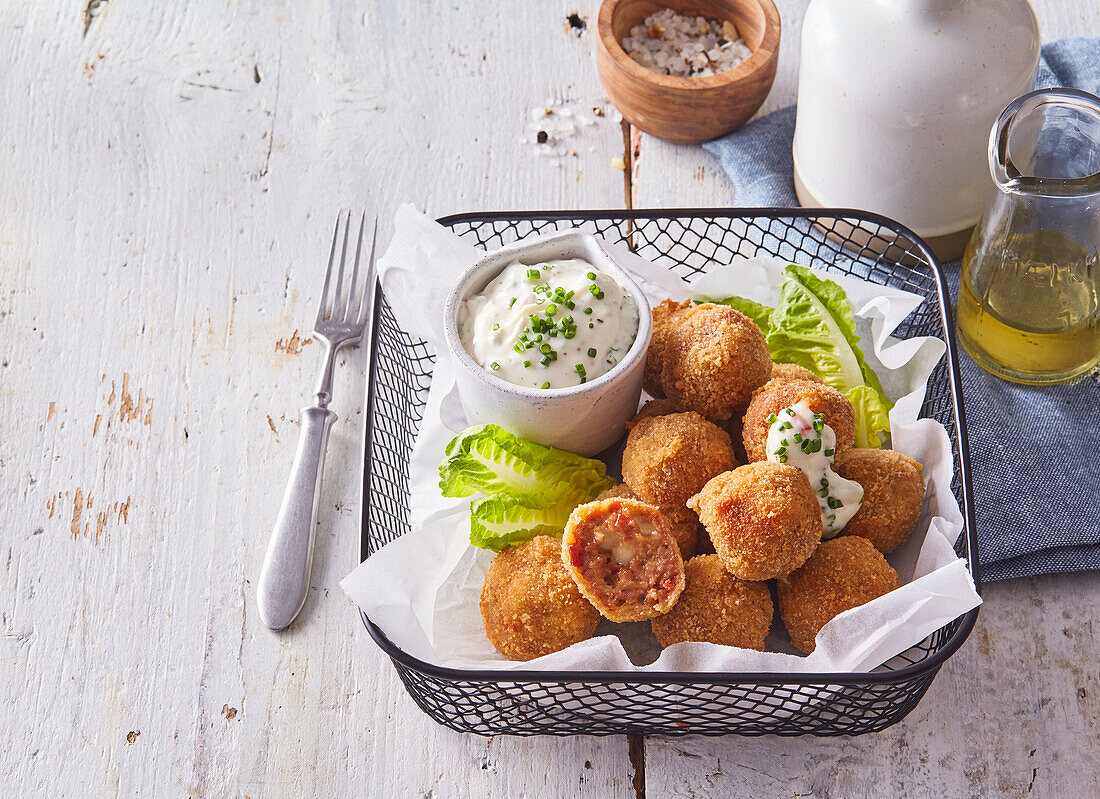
[812,326]
[757,312]
[500,522]
[528,489]
[872,417]
[487,459]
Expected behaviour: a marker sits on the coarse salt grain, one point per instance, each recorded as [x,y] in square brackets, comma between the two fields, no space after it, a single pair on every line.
[686,47]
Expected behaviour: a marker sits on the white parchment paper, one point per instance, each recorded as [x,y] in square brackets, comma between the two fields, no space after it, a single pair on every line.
[423,589]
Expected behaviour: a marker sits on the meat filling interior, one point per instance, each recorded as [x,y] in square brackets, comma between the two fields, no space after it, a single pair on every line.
[624,558]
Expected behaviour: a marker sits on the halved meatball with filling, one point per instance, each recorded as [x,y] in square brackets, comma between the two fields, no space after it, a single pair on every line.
[623,558]
[682,521]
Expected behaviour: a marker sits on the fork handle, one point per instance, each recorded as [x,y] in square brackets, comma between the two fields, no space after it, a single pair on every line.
[284,580]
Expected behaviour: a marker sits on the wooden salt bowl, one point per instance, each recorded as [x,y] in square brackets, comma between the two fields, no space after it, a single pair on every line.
[688,110]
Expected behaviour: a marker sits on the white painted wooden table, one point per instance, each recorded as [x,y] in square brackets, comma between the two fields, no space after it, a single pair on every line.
[168,176]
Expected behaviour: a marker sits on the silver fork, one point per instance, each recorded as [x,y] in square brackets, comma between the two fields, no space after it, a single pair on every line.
[341,320]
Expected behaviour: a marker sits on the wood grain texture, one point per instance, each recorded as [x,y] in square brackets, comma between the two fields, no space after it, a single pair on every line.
[1013,714]
[170,176]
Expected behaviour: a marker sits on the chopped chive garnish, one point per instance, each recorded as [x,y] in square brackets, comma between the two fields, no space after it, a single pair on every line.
[570,304]
[519,347]
[797,437]
[590,325]
[554,333]
[533,274]
[570,332]
[513,302]
[494,366]
[790,411]
[544,347]
[551,309]
[546,384]
[819,425]
[772,418]
[829,453]
[591,275]
[834,503]
[591,352]
[526,364]
[545,360]
[785,443]
[782,458]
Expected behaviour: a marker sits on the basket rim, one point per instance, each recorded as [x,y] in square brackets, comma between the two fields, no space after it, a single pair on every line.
[930,664]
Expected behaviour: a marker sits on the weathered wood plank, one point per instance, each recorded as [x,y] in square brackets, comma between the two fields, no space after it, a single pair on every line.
[170,177]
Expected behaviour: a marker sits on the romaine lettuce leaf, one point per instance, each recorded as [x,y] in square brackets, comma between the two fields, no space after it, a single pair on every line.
[757,312]
[872,417]
[528,489]
[487,459]
[812,325]
[500,522]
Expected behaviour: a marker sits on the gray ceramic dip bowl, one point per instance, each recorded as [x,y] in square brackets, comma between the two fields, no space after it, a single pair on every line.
[585,419]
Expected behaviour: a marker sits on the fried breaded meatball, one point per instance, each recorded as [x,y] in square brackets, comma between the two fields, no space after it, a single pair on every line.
[716,357]
[775,395]
[669,458]
[655,407]
[893,493]
[682,521]
[529,603]
[792,371]
[763,519]
[666,318]
[717,607]
[842,574]
[623,558]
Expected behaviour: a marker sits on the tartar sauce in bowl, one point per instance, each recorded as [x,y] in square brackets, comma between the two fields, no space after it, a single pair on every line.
[548,325]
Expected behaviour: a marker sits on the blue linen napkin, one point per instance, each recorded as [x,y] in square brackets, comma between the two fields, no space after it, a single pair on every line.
[1035,452]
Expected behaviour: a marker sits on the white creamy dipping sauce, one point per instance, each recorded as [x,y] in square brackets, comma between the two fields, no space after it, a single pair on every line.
[801,438]
[549,325]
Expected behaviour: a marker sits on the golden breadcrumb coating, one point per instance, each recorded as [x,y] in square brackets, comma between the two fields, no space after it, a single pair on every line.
[529,603]
[777,394]
[655,407]
[792,371]
[623,558]
[763,519]
[669,458]
[666,318]
[709,359]
[681,520]
[717,607]
[842,574]
[893,493]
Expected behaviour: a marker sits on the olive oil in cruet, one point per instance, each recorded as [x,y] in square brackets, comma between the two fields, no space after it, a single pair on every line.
[1030,279]
[1028,311]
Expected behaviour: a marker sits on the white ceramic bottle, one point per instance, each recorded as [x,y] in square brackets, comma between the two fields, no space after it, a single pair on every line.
[896,99]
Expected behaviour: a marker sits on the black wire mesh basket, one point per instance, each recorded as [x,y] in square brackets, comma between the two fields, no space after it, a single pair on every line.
[687,242]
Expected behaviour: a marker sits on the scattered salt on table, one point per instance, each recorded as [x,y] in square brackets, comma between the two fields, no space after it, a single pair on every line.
[688,47]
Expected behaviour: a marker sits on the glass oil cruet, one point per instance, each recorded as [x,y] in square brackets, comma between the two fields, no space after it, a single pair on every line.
[1027,308]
